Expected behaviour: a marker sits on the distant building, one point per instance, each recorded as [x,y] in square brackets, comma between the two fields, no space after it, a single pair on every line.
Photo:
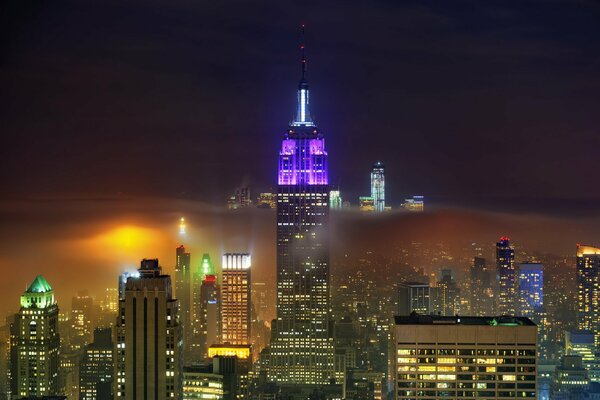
[366,203]
[200,383]
[335,199]
[531,289]
[148,337]
[82,310]
[96,368]
[378,186]
[267,200]
[414,296]
[482,295]
[200,272]
[235,298]
[465,357]
[183,292]
[581,343]
[447,295]
[506,278]
[414,204]
[34,343]
[210,314]
[588,290]
[571,379]
[241,199]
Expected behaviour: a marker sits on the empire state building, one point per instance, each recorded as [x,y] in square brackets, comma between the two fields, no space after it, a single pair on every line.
[302,345]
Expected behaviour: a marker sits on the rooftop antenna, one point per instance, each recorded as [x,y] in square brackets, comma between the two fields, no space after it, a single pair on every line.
[303,60]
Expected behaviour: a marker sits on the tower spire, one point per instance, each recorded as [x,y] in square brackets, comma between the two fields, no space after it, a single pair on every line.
[303,117]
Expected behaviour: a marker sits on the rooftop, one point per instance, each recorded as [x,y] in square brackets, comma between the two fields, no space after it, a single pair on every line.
[417,319]
[39,285]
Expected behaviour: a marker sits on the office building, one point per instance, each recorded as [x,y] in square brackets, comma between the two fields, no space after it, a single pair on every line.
[183,292]
[201,271]
[82,309]
[531,289]
[236,298]
[96,368]
[571,380]
[35,343]
[267,200]
[588,289]
[148,337]
[581,343]
[201,383]
[465,357]
[414,204]
[482,294]
[446,299]
[335,199]
[506,275]
[210,315]
[378,186]
[302,345]
[414,296]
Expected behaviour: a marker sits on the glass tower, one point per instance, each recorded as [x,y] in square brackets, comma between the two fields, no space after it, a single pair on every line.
[531,289]
[302,346]
[378,186]
[506,276]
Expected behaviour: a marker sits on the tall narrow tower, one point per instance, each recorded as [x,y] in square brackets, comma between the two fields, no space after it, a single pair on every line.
[588,290]
[301,345]
[378,186]
[235,298]
[183,290]
[506,276]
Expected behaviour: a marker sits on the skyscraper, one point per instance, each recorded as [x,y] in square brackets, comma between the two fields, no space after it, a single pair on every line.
[210,315]
[447,294]
[506,278]
[96,368]
[482,296]
[531,289]
[199,275]
[148,337]
[378,186]
[302,345]
[588,289]
[235,298]
[183,293]
[81,320]
[414,296]
[35,343]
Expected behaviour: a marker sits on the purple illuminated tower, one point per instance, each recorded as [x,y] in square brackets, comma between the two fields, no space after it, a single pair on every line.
[302,346]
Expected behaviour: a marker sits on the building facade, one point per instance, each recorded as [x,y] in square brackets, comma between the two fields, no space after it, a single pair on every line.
[506,278]
[465,357]
[183,292]
[96,368]
[302,343]
[378,186]
[148,338]
[414,296]
[35,343]
[236,298]
[210,315]
[531,289]
[588,289]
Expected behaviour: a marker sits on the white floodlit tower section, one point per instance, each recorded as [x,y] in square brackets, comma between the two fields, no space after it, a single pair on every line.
[378,186]
[235,299]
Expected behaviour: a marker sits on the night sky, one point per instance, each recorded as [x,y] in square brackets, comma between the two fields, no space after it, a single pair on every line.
[465,101]
[119,116]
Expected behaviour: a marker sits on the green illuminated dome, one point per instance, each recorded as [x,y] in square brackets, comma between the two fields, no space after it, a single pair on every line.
[38,295]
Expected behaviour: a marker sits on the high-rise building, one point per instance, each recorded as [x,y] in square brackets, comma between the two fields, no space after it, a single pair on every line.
[414,204]
[267,200]
[335,199]
[35,343]
[531,289]
[465,357]
[199,275]
[571,379]
[581,343]
[446,294]
[148,337]
[111,300]
[200,382]
[506,278]
[82,308]
[210,315]
[482,294]
[183,292]
[588,289]
[414,296]
[235,298]
[96,368]
[302,344]
[123,281]
[378,186]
